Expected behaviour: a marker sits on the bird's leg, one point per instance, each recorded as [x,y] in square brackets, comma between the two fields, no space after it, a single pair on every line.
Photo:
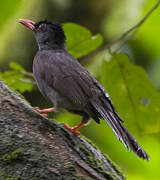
[44,111]
[75,128]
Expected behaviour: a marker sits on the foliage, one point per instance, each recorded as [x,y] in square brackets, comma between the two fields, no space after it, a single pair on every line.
[131,89]
[16,78]
[80,40]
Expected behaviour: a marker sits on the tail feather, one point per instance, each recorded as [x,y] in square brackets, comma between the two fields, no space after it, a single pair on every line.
[120,131]
[134,146]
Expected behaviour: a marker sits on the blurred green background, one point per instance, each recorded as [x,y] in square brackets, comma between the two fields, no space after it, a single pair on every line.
[132,80]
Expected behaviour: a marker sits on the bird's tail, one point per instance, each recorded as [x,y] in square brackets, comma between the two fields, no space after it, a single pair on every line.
[114,121]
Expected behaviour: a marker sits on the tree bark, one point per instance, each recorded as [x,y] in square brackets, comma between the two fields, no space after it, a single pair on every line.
[33,147]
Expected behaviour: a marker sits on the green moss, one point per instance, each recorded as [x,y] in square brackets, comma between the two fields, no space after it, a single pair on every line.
[70,172]
[95,164]
[4,176]
[114,166]
[90,142]
[9,157]
[12,178]
[82,178]
[90,158]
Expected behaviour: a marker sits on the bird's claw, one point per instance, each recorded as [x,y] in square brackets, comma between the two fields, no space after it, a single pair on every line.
[44,112]
[72,129]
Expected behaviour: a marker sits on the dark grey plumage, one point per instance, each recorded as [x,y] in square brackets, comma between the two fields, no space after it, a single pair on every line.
[62,79]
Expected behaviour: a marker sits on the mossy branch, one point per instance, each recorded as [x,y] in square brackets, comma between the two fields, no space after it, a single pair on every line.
[34,147]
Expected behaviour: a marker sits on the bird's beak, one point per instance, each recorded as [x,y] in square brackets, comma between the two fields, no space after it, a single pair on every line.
[28,23]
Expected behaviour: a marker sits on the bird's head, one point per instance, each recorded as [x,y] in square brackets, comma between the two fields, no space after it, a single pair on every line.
[49,35]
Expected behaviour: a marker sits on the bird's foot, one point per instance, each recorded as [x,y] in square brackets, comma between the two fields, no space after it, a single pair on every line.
[74,129]
[44,112]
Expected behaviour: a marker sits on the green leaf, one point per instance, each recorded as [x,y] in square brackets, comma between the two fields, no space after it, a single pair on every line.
[80,40]
[134,96]
[16,79]
[16,66]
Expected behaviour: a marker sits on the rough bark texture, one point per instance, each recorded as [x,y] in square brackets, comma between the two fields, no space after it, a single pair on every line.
[35,148]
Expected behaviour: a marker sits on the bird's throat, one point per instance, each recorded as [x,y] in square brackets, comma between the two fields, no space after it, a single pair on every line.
[51,46]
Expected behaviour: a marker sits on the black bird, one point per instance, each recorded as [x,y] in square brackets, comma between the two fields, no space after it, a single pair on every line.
[62,79]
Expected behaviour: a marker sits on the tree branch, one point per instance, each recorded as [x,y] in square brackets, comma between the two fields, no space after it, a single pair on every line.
[29,74]
[34,147]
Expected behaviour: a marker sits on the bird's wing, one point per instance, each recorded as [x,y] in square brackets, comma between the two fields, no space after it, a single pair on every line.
[61,72]
[72,81]
[64,74]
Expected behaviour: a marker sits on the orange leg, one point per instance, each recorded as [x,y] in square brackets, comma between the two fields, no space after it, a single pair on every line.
[44,111]
[75,128]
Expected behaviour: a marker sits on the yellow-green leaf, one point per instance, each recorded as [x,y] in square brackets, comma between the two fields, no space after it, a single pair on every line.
[80,40]
[134,96]
[16,79]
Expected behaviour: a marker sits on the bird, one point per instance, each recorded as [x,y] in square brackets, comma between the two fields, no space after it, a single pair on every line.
[68,85]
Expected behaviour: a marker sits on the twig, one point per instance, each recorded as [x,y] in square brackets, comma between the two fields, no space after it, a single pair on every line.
[30,75]
[125,34]
[27,73]
[27,82]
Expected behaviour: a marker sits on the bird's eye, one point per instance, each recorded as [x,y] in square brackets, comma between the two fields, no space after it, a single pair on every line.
[41,27]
